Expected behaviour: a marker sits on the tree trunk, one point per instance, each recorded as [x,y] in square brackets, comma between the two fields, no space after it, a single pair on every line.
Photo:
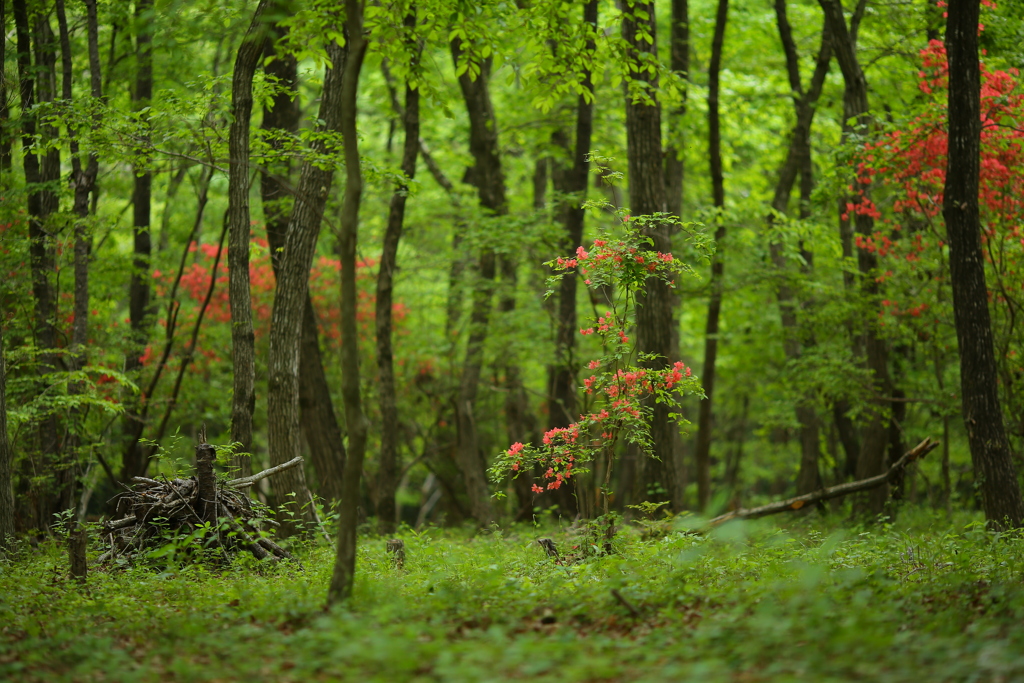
[348,236]
[679,62]
[658,477]
[290,297]
[40,175]
[243,340]
[704,421]
[571,181]
[875,437]
[797,162]
[320,429]
[139,309]
[387,474]
[83,181]
[489,179]
[6,462]
[983,417]
[5,112]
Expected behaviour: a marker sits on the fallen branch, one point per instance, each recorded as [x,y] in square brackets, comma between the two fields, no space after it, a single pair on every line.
[252,479]
[626,603]
[922,449]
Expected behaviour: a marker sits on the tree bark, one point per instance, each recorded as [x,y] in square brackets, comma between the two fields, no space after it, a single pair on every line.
[797,162]
[345,560]
[679,62]
[6,462]
[290,296]
[983,417]
[139,308]
[41,173]
[5,113]
[571,181]
[704,420]
[489,179]
[647,197]
[83,181]
[872,460]
[243,340]
[319,423]
[387,473]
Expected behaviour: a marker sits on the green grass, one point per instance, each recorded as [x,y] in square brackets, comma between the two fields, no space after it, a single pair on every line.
[926,600]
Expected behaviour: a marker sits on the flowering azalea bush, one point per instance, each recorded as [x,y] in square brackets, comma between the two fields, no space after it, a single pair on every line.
[623,383]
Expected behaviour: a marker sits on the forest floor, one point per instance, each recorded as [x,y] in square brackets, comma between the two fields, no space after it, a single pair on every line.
[925,599]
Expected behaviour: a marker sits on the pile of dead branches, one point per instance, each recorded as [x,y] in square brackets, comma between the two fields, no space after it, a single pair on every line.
[154,512]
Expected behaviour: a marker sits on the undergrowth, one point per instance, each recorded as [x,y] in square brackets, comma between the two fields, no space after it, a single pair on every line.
[925,599]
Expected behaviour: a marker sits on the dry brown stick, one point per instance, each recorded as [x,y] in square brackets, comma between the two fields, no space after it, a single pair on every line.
[625,603]
[255,548]
[918,452]
[248,481]
[275,548]
[120,523]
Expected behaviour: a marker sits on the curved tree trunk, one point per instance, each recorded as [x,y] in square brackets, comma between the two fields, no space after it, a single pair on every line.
[797,162]
[875,435]
[983,417]
[345,560]
[387,474]
[704,421]
[489,179]
[243,340]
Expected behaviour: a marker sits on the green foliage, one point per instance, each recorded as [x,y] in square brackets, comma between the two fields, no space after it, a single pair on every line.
[927,600]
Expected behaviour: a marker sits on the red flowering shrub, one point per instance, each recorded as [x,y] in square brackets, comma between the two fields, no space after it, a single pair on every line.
[907,168]
[620,386]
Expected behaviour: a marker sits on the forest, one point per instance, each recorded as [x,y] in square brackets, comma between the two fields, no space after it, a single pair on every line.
[534,339]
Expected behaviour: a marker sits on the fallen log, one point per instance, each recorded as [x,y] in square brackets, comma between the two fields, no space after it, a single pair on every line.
[919,451]
[155,512]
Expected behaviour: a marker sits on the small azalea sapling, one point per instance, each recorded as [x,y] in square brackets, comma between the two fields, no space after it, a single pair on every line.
[623,383]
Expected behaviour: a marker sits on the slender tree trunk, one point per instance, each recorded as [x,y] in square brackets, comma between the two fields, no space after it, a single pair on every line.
[83,181]
[797,162]
[489,179]
[41,173]
[290,297]
[387,474]
[6,462]
[243,340]
[571,181]
[345,560]
[646,197]
[875,437]
[679,62]
[318,420]
[5,113]
[139,309]
[983,417]
[704,422]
